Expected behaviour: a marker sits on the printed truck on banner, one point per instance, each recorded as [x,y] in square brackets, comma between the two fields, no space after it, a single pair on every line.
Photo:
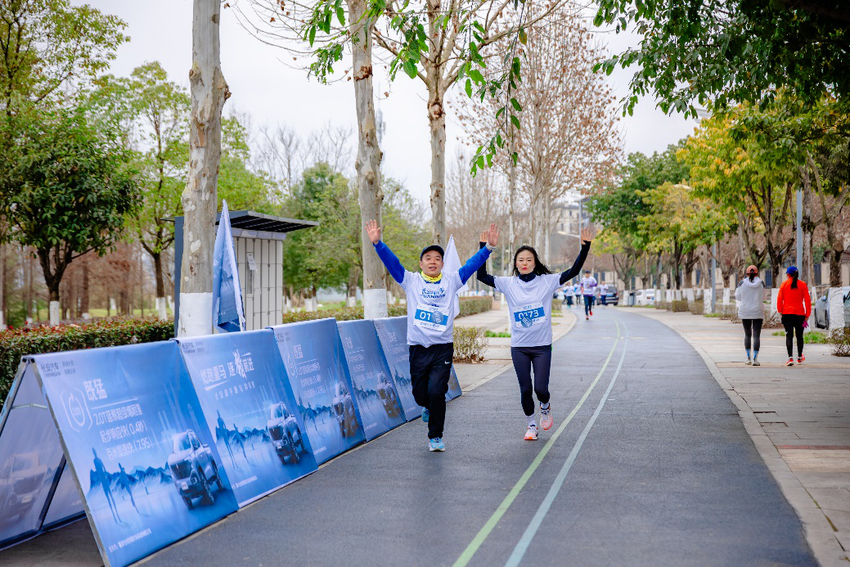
[318,374]
[136,437]
[246,398]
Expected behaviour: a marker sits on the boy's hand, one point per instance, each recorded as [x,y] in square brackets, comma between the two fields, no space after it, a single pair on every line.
[492,235]
[373,231]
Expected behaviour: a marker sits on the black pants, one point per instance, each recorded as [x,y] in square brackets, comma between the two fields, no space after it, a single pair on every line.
[752,333]
[588,304]
[430,369]
[793,325]
[540,357]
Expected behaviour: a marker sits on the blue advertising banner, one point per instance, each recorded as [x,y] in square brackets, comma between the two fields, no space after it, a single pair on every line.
[315,362]
[137,442]
[31,460]
[393,335]
[250,408]
[374,390]
[227,313]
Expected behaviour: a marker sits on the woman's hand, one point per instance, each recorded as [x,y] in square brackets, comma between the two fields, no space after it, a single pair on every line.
[482,239]
[492,235]
[373,231]
[586,235]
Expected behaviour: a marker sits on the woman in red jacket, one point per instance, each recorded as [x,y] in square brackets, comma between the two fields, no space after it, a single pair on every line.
[795,306]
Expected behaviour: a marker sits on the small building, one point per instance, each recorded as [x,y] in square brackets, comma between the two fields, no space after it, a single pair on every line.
[258,242]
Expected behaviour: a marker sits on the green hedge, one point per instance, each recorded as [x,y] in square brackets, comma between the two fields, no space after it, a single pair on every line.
[16,343]
[473,305]
[342,314]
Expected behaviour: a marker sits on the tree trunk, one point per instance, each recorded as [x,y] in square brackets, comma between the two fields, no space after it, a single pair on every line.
[161,301]
[368,163]
[209,91]
[84,289]
[835,268]
[437,123]
[2,287]
[511,205]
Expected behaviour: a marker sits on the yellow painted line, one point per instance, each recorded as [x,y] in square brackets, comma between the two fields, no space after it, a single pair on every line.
[482,534]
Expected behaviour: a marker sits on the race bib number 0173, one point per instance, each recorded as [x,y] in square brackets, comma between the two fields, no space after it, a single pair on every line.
[430,319]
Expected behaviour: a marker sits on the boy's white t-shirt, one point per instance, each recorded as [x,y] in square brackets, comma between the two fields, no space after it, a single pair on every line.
[430,313]
[588,285]
[530,308]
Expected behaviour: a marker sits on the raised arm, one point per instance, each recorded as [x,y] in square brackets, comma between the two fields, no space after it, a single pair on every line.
[480,258]
[386,255]
[482,274]
[586,238]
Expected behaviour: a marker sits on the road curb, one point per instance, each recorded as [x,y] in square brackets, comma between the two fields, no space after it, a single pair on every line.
[818,531]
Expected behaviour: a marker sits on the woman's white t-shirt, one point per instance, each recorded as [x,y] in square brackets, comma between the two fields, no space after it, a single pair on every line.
[530,308]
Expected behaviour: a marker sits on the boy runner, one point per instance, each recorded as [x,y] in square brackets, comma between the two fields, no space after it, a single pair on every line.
[430,322]
[588,288]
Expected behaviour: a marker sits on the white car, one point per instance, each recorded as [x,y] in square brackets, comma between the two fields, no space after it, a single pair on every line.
[645,297]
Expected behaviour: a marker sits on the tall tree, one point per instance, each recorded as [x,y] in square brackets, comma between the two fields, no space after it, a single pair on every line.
[209,92]
[73,190]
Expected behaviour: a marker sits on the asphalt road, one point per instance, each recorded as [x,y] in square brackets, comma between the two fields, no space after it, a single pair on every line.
[654,468]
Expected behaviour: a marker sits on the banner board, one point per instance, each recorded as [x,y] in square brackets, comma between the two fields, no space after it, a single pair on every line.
[135,437]
[374,390]
[315,363]
[392,332]
[31,464]
[248,404]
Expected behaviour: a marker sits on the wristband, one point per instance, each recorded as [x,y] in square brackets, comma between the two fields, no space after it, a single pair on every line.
[488,247]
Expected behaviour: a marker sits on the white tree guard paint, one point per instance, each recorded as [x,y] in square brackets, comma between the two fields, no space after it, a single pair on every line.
[54,313]
[195,314]
[374,303]
[835,305]
[161,308]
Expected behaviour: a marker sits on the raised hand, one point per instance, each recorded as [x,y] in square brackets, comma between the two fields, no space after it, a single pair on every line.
[492,235]
[483,238]
[373,231]
[586,234]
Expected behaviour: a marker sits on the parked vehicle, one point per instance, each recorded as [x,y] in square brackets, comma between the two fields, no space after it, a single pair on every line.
[388,396]
[820,310]
[21,476]
[343,406]
[193,468]
[645,297]
[285,434]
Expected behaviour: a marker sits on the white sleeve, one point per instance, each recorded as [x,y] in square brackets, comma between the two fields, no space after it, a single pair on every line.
[553,282]
[501,283]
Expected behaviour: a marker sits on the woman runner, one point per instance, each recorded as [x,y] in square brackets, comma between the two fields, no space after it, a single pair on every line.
[529,296]
[795,305]
[750,298]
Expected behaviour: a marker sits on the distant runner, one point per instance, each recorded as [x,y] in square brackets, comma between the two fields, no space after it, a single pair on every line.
[588,289]
[430,322]
[529,296]
[750,297]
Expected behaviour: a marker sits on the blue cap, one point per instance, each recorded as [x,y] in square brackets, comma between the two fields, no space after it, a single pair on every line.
[791,270]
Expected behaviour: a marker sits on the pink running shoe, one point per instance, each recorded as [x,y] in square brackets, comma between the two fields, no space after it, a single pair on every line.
[546,420]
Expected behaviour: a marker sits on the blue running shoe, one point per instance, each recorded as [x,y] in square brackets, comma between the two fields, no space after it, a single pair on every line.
[436,445]
[425,415]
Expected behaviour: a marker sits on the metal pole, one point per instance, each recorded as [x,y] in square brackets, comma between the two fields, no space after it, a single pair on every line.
[713,278]
[800,230]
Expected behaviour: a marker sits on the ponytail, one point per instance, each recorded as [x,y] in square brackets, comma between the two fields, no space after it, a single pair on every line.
[752,276]
[794,277]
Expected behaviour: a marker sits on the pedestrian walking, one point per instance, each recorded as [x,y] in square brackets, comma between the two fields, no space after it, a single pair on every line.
[750,297]
[795,305]
[430,322]
[588,288]
[528,294]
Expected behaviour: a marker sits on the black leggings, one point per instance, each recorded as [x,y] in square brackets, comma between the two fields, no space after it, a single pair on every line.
[752,330]
[524,358]
[793,325]
[588,304]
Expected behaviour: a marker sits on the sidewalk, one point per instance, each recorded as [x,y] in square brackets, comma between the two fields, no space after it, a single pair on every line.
[497,355]
[797,417]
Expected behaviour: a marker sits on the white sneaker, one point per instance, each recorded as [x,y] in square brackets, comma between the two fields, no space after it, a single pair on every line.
[531,434]
[546,420]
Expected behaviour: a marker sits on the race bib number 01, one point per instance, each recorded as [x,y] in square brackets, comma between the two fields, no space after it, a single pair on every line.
[430,319]
[529,315]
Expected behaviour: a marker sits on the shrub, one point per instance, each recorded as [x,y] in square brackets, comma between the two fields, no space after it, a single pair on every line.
[16,343]
[679,305]
[341,314]
[839,341]
[556,305]
[473,305]
[696,306]
[469,344]
[662,305]
[497,334]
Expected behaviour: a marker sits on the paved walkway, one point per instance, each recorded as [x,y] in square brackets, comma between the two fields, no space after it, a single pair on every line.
[798,418]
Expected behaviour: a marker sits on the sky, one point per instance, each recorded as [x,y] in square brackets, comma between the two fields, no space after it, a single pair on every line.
[264,85]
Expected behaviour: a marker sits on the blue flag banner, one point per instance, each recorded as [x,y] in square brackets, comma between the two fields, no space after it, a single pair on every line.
[250,408]
[136,440]
[374,390]
[227,294]
[393,335]
[315,363]
[31,465]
